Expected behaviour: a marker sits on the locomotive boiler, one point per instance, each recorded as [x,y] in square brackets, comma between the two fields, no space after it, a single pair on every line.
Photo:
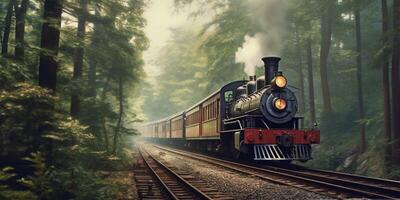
[255,118]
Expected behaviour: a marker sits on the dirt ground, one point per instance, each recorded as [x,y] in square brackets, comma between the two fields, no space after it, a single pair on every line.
[127,189]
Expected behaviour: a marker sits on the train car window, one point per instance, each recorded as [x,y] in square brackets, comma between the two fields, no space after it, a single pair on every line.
[208,111]
[218,107]
[213,110]
[205,113]
[228,96]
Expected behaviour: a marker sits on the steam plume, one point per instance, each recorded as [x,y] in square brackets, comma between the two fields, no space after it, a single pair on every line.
[270,17]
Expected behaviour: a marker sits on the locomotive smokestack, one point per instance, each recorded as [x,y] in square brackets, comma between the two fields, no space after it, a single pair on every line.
[271,65]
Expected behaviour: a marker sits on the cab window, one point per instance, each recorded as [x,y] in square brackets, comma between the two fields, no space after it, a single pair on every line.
[228,96]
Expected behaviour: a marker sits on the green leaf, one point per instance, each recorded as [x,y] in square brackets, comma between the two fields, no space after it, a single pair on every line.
[53,137]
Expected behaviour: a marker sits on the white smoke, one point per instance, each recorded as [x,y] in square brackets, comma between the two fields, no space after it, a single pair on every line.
[270,17]
[250,54]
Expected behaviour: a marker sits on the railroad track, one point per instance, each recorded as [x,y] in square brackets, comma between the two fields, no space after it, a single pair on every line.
[156,180]
[334,184]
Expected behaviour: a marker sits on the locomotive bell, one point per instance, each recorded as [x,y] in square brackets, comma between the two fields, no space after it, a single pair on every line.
[271,65]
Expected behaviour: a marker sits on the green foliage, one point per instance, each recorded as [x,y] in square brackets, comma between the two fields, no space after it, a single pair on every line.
[49,154]
[395,172]
[25,108]
[40,182]
[11,71]
[8,193]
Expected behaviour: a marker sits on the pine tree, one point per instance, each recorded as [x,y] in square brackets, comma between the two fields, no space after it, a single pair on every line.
[78,59]
[396,82]
[49,43]
[7,27]
[20,13]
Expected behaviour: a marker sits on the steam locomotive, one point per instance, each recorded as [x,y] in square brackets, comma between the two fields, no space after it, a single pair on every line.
[253,118]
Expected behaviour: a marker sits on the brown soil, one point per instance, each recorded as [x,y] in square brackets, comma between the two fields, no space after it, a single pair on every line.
[127,189]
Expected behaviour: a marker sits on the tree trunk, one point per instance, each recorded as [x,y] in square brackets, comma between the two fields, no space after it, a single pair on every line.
[121,111]
[105,135]
[103,119]
[2,143]
[361,111]
[48,63]
[92,77]
[20,13]
[301,78]
[50,38]
[385,83]
[2,27]
[326,34]
[92,59]
[311,101]
[7,28]
[78,60]
[395,82]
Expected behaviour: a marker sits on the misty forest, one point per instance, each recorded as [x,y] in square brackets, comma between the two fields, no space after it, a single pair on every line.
[77,77]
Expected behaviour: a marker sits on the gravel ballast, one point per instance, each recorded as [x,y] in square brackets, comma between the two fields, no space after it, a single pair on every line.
[237,185]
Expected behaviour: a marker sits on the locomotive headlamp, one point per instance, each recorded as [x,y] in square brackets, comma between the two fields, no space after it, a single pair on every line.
[280,104]
[279,81]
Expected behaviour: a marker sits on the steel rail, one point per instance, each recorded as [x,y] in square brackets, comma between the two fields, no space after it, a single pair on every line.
[385,187]
[195,191]
[295,179]
[165,188]
[378,181]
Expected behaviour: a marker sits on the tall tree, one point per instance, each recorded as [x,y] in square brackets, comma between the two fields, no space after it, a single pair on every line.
[301,76]
[326,34]
[78,59]
[120,113]
[395,81]
[103,120]
[20,13]
[7,27]
[310,77]
[2,11]
[385,80]
[50,39]
[359,79]
[92,57]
